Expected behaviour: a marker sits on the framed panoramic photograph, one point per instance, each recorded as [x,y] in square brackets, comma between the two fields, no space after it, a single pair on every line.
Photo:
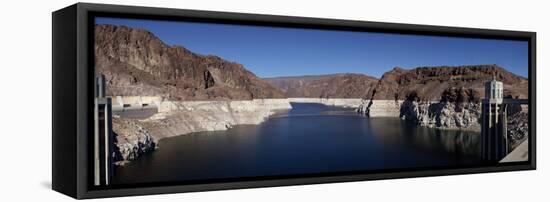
[153,100]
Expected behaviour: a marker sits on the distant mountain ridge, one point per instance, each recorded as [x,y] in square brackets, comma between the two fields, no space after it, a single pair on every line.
[136,62]
[424,83]
[344,85]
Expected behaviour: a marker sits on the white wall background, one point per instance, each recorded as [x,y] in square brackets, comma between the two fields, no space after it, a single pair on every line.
[25,82]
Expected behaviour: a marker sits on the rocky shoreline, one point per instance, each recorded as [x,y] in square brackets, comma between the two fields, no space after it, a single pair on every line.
[337,102]
[134,137]
[433,114]
[446,115]
[131,140]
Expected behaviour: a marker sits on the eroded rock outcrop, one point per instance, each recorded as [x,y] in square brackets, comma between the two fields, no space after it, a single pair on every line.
[131,140]
[458,108]
[445,115]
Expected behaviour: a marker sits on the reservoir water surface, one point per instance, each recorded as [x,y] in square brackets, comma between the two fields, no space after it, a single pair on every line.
[310,138]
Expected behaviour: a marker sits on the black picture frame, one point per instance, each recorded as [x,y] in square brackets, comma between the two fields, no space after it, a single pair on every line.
[72,83]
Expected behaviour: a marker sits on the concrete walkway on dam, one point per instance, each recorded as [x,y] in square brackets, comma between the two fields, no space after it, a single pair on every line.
[521,153]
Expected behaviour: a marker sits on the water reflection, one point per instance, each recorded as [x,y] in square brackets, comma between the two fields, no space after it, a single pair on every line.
[402,133]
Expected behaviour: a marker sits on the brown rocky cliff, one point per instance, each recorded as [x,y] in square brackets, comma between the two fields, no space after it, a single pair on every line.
[136,62]
[430,83]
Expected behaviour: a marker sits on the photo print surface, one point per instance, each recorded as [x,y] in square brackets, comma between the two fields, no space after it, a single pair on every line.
[189,102]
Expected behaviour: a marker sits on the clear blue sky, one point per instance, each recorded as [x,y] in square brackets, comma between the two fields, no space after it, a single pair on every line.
[273,51]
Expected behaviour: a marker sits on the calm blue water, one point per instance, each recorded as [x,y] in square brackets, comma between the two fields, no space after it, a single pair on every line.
[310,138]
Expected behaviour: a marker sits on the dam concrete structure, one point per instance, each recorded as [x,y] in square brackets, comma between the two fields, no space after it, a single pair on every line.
[103,135]
[494,112]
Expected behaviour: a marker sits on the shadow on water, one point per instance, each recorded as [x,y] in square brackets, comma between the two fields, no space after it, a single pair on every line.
[310,138]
